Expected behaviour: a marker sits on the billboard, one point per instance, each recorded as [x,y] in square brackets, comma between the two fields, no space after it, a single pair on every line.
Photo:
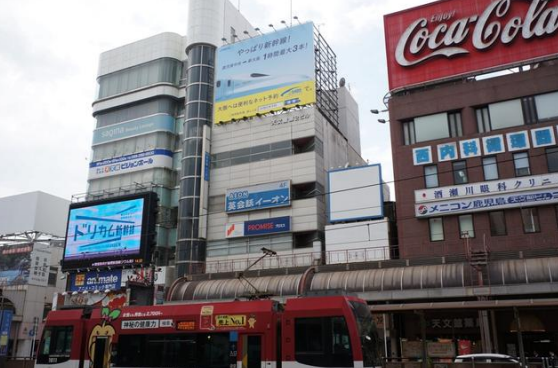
[355,193]
[113,231]
[258,197]
[451,38]
[15,264]
[5,326]
[130,163]
[265,73]
[133,128]
[258,227]
[96,280]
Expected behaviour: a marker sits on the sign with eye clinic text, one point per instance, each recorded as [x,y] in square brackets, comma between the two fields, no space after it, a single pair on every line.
[451,38]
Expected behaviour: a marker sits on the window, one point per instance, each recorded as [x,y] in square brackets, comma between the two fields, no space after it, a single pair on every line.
[323,342]
[56,345]
[490,168]
[497,223]
[505,114]
[460,172]
[530,217]
[265,152]
[431,127]
[368,334]
[431,176]
[483,119]
[436,226]
[466,227]
[547,106]
[521,163]
[552,159]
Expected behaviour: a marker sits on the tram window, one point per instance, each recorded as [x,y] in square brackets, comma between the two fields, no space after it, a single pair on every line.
[56,345]
[176,350]
[323,342]
[368,334]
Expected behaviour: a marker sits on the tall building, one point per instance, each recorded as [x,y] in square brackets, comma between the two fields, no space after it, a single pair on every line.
[155,131]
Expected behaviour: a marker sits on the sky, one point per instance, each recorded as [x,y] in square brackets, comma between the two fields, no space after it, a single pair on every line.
[49,52]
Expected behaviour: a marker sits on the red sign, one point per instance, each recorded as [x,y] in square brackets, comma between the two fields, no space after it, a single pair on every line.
[452,38]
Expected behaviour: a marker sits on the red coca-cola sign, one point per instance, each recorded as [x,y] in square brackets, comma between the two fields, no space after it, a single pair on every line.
[453,38]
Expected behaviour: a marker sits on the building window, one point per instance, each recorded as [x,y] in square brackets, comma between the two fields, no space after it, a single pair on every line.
[552,159]
[505,114]
[431,127]
[436,229]
[460,172]
[547,106]
[233,35]
[431,176]
[466,227]
[530,217]
[483,119]
[497,223]
[521,164]
[490,168]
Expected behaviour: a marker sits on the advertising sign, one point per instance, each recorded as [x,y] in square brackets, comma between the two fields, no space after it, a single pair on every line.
[258,227]
[265,73]
[90,281]
[355,193]
[128,129]
[6,319]
[130,163]
[113,231]
[228,320]
[451,38]
[15,264]
[257,197]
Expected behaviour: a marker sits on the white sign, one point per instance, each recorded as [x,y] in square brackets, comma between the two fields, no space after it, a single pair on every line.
[488,203]
[234,230]
[140,324]
[505,186]
[130,163]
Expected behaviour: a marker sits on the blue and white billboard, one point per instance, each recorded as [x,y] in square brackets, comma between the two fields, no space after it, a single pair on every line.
[104,230]
[258,227]
[257,197]
[6,317]
[266,73]
[91,281]
[128,129]
[131,163]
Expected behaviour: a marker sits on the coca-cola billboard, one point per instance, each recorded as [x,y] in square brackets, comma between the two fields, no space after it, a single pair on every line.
[453,38]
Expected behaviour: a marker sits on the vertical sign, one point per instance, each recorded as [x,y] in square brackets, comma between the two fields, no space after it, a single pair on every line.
[6,318]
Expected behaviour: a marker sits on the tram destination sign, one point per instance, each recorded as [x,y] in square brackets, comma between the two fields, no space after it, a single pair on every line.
[457,38]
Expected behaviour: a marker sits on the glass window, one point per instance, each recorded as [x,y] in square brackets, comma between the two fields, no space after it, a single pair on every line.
[490,168]
[56,345]
[456,129]
[323,342]
[506,114]
[521,164]
[368,334]
[431,176]
[409,132]
[432,127]
[466,227]
[483,120]
[547,105]
[460,172]
[497,223]
[552,159]
[530,217]
[436,229]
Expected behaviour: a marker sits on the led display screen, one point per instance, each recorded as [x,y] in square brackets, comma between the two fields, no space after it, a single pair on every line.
[109,232]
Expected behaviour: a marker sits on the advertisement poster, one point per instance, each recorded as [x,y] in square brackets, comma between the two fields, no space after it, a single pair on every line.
[15,264]
[5,325]
[257,197]
[265,73]
[103,230]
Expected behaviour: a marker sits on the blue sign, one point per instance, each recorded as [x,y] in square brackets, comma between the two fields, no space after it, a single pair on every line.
[91,281]
[131,163]
[447,152]
[543,137]
[6,317]
[517,141]
[207,166]
[422,156]
[258,197]
[470,148]
[98,231]
[267,226]
[493,144]
[157,123]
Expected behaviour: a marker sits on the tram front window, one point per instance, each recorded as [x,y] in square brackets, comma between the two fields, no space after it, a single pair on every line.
[367,332]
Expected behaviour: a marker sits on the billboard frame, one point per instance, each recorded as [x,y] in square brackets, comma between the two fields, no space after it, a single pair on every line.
[148,233]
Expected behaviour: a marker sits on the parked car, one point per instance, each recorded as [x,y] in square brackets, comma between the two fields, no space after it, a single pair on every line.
[486,358]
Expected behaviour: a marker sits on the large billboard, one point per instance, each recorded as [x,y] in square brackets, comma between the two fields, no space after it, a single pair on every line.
[267,73]
[25,264]
[450,38]
[258,227]
[258,197]
[130,163]
[355,193]
[114,231]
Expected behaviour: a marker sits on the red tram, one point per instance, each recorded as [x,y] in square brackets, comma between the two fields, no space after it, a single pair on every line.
[321,331]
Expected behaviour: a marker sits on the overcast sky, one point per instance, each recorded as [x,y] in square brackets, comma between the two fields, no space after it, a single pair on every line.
[49,52]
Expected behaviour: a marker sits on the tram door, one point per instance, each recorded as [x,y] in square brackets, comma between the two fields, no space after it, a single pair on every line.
[251,351]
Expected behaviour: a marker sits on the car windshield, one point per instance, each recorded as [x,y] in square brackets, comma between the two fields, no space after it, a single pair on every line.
[367,332]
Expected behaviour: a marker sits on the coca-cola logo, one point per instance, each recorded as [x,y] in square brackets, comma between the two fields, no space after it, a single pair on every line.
[420,43]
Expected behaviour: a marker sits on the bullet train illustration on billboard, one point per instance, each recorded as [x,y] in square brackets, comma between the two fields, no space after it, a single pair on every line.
[247,84]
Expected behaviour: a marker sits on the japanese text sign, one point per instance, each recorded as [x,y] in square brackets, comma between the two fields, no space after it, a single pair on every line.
[258,197]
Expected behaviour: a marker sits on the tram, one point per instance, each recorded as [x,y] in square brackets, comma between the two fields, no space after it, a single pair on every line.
[319,331]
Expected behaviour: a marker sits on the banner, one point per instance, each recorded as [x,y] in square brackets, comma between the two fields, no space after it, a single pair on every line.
[258,227]
[5,325]
[131,163]
[128,129]
[267,73]
[257,197]
[91,281]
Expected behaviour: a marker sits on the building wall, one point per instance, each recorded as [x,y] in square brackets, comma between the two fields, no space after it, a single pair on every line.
[465,96]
